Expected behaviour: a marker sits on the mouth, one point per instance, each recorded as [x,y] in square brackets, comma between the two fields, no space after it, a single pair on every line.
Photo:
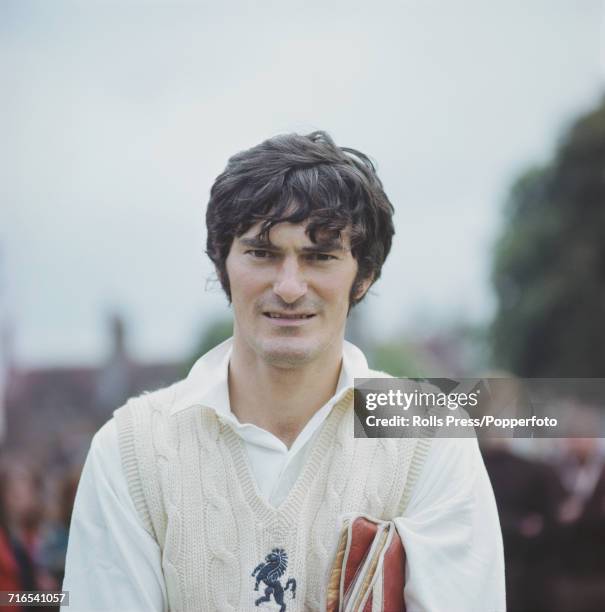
[283,315]
[282,318]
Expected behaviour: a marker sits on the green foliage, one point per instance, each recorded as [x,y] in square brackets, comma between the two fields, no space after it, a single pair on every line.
[549,265]
[216,332]
[397,359]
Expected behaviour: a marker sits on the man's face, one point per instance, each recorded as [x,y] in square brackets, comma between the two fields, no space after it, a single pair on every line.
[290,296]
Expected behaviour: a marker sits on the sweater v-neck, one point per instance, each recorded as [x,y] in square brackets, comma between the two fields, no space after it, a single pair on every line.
[290,506]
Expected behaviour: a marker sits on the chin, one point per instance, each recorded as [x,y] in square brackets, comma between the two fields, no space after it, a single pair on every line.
[289,352]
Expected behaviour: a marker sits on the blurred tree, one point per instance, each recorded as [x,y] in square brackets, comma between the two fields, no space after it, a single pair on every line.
[549,266]
[217,331]
[398,358]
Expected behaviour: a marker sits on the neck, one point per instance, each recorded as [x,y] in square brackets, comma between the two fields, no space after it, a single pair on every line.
[278,399]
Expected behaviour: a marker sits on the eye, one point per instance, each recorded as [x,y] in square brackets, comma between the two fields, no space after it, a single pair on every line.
[259,253]
[320,257]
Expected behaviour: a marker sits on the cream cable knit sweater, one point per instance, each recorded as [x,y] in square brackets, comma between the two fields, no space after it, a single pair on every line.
[192,486]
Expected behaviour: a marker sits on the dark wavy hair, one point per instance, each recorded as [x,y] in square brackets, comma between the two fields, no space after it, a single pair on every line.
[295,178]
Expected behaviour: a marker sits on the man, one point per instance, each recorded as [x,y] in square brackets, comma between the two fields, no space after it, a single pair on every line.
[190,493]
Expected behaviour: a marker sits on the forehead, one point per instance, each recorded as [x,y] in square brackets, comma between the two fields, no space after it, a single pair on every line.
[287,234]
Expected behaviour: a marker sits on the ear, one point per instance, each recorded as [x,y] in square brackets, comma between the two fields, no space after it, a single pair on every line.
[363,286]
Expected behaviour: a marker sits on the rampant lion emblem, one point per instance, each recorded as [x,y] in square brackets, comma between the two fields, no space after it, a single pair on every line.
[269,572]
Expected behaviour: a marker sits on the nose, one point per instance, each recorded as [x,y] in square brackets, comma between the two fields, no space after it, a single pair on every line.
[289,284]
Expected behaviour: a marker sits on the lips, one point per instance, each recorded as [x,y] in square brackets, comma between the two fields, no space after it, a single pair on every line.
[282,315]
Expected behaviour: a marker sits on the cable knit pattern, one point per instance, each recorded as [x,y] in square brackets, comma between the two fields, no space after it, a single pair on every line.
[193,487]
[341,463]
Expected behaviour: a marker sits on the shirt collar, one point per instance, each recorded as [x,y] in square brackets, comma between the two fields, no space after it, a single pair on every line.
[207,384]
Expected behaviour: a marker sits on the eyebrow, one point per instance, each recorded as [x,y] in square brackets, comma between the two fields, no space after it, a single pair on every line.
[320,247]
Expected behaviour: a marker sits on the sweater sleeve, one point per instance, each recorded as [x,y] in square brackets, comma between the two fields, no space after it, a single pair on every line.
[451,534]
[112,562]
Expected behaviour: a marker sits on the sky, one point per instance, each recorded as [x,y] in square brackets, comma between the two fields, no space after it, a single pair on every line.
[117,117]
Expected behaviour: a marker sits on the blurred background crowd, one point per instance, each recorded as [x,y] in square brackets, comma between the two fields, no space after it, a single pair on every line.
[488,125]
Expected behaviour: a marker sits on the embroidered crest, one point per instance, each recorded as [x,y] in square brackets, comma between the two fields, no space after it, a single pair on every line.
[270,572]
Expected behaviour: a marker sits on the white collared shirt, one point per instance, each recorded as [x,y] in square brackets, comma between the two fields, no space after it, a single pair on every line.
[450,529]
